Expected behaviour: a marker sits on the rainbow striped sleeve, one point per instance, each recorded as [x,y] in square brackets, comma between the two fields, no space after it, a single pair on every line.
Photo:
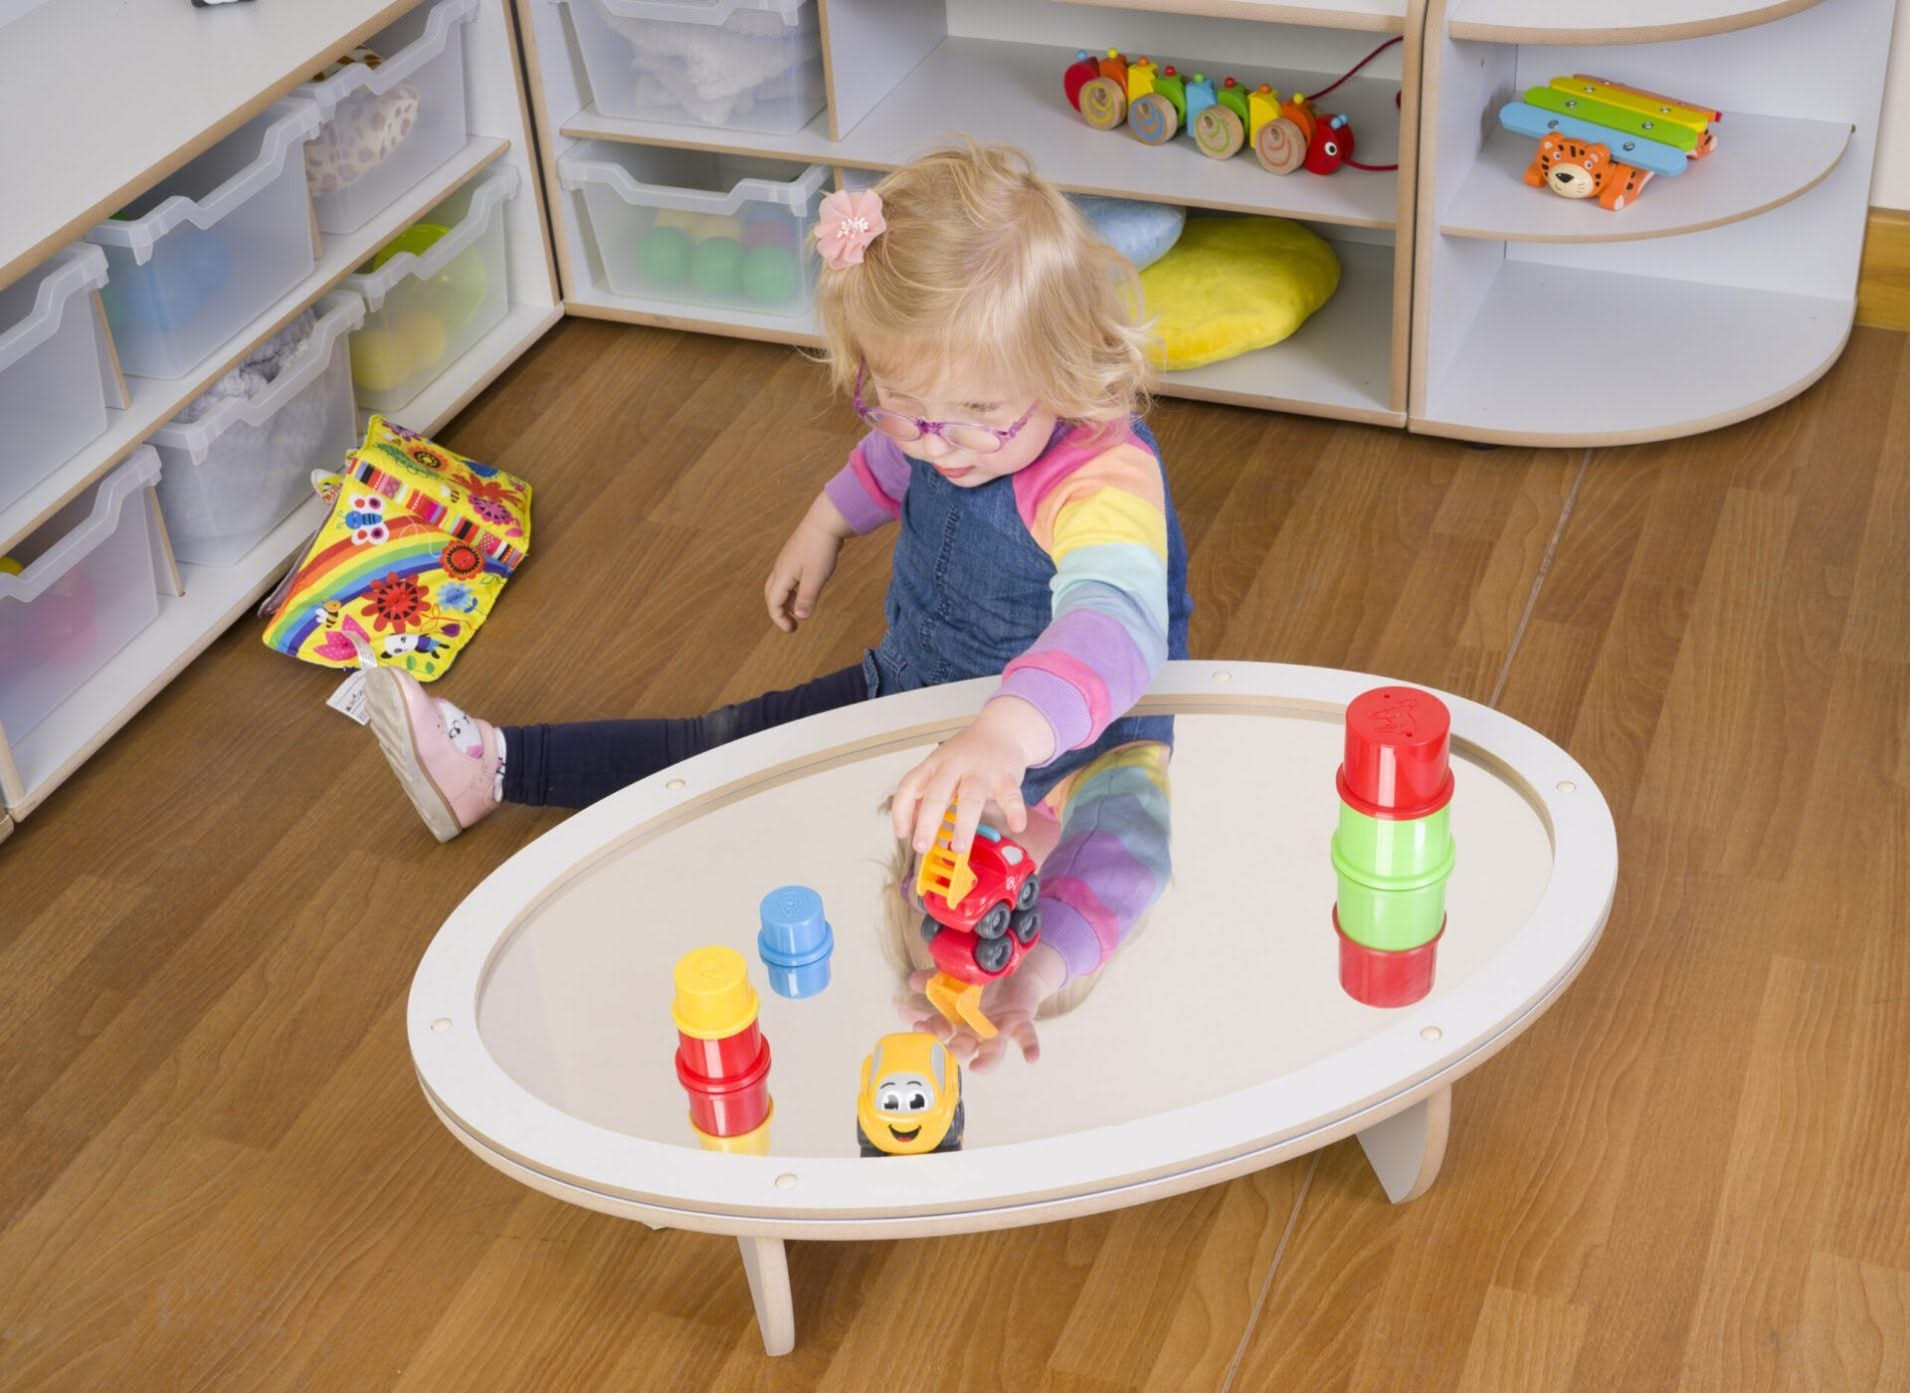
[868,489]
[1112,861]
[1097,506]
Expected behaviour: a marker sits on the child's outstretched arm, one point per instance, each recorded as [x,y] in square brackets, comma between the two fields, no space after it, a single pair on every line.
[865,493]
[1113,859]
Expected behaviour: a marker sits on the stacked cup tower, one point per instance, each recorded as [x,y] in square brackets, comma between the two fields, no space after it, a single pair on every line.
[1393,852]
[722,1059]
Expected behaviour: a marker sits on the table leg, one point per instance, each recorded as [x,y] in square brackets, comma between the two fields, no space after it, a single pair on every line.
[767,1267]
[1405,1150]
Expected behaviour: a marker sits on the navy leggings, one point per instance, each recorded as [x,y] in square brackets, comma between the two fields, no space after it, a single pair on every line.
[572,766]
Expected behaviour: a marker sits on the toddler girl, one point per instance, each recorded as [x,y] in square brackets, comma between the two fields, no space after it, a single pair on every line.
[986,338]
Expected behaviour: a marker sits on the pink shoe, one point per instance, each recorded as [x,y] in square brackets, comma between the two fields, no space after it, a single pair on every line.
[447,761]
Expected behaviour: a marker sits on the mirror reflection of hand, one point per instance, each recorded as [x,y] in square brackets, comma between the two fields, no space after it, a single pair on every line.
[1009,1002]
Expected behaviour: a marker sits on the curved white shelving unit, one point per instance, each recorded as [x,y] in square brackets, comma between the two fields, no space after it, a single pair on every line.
[1761,163]
[1719,294]
[1611,21]
[1565,356]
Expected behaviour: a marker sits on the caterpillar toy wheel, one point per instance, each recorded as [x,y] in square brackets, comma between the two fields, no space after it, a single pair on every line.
[1281,146]
[1103,103]
[1153,119]
[1219,133]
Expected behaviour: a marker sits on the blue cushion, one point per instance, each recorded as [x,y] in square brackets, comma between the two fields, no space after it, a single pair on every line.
[1141,232]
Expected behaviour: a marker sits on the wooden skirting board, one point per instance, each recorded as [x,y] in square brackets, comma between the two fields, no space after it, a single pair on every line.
[1883,283]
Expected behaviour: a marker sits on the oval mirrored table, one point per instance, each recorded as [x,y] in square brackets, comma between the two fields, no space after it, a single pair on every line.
[1215,1042]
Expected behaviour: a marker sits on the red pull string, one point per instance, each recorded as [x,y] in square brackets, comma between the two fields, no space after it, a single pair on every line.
[1313,97]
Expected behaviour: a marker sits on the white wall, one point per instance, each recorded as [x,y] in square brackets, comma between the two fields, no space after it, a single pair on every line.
[1890,187]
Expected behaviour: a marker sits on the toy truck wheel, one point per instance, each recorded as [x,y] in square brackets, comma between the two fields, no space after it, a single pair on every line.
[1026,925]
[992,954]
[867,1147]
[1218,133]
[1103,103]
[994,923]
[929,928]
[1153,119]
[1030,891]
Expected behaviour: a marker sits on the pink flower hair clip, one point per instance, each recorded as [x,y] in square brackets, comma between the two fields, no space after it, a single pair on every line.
[845,225]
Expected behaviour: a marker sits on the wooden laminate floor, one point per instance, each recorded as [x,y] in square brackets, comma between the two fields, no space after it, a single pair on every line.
[217,1171]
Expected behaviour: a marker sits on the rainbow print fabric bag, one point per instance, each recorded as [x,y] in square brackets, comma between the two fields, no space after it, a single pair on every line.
[409,561]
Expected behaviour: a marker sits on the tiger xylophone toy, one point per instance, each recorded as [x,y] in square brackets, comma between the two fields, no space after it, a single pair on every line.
[1156,103]
[1600,139]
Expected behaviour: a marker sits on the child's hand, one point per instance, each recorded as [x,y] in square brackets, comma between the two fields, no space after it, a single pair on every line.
[984,761]
[804,565]
[1008,1003]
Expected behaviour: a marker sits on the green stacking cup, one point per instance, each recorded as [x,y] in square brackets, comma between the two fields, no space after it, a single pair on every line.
[1391,912]
[1377,848]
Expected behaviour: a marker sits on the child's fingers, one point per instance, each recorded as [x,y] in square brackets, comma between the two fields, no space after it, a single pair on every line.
[808,589]
[1024,1035]
[969,801]
[1013,810]
[902,806]
[775,594]
[935,799]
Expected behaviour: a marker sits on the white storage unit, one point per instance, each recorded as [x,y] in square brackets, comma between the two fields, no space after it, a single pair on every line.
[747,65]
[204,251]
[699,227]
[906,76]
[389,125]
[235,473]
[425,309]
[142,127]
[53,375]
[90,584]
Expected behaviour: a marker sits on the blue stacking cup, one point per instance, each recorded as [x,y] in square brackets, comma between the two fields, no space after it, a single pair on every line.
[795,942]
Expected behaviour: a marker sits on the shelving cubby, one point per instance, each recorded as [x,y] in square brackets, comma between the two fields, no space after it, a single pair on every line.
[199,602]
[905,75]
[1716,295]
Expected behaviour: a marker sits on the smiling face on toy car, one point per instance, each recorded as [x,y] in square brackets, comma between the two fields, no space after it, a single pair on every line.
[910,1096]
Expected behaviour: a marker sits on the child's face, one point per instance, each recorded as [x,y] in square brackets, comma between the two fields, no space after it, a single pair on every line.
[976,398]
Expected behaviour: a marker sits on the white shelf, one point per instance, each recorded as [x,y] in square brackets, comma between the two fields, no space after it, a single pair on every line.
[215,596]
[1610,21]
[1374,16]
[156,400]
[452,390]
[594,302]
[1564,355]
[1011,92]
[1339,364]
[1761,162]
[109,97]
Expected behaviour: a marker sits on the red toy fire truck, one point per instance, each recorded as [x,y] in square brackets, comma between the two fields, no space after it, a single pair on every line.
[982,917]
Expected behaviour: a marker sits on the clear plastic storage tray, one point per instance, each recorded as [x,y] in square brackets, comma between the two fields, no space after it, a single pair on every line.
[750,65]
[432,292]
[89,586]
[388,126]
[236,472]
[200,256]
[699,227]
[53,391]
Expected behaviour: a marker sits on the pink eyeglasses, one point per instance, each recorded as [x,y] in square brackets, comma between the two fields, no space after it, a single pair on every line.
[960,435]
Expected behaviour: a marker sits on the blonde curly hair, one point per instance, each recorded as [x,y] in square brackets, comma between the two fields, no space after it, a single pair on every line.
[985,261]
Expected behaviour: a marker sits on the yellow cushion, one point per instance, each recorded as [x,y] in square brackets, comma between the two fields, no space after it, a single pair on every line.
[1231,285]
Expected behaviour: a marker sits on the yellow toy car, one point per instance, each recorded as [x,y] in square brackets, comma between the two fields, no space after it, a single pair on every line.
[910,1102]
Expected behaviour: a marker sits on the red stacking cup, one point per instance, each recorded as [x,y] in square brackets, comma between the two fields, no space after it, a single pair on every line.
[1378,977]
[731,1105]
[1398,742]
[722,1059]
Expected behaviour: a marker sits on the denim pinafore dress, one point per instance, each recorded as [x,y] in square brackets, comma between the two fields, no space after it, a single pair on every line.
[970,592]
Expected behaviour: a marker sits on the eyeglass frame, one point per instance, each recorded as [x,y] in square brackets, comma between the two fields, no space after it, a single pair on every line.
[924,429]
